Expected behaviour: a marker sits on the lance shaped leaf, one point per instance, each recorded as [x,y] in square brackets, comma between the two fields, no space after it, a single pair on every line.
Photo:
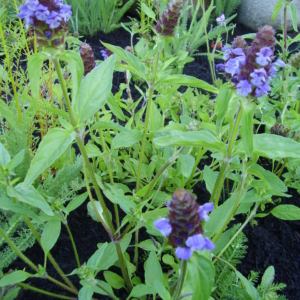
[53,145]
[94,90]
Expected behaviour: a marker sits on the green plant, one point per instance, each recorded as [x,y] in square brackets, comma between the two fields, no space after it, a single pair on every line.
[92,16]
[226,7]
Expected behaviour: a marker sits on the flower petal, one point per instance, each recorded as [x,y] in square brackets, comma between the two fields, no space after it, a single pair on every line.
[196,242]
[183,253]
[209,245]
[163,225]
[204,209]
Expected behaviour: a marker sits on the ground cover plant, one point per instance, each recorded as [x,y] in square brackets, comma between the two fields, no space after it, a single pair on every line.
[67,141]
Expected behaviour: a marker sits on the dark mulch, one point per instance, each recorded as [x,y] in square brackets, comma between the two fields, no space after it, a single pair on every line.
[272,242]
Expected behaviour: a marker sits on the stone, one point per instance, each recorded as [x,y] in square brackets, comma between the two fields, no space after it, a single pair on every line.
[256,13]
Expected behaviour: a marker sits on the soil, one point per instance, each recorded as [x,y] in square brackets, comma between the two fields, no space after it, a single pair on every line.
[271,242]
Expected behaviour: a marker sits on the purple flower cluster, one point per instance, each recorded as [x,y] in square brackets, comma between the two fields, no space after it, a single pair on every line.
[53,12]
[251,69]
[183,226]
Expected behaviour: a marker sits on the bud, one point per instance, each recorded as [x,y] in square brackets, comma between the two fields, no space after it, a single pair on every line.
[295,60]
[239,42]
[184,227]
[169,19]
[280,129]
[87,57]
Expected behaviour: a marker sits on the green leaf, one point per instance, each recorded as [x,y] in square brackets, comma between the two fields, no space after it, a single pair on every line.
[126,139]
[188,81]
[141,290]
[251,290]
[274,146]
[75,64]
[115,108]
[109,125]
[293,12]
[57,111]
[202,138]
[93,214]
[110,255]
[4,156]
[136,66]
[35,63]
[210,178]
[15,277]
[94,90]
[92,150]
[277,8]
[268,277]
[187,164]
[114,280]
[286,212]
[148,11]
[105,285]
[156,119]
[17,159]
[221,104]
[219,216]
[200,277]
[153,270]
[8,204]
[53,145]
[8,115]
[50,235]
[30,196]
[161,290]
[76,202]
[147,245]
[95,259]
[247,127]
[86,293]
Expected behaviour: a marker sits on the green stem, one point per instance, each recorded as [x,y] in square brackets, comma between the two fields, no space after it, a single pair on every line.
[149,105]
[22,28]
[183,268]
[207,43]
[10,73]
[222,173]
[200,153]
[107,223]
[234,208]
[32,288]
[49,255]
[161,170]
[224,262]
[65,222]
[239,231]
[30,263]
[82,149]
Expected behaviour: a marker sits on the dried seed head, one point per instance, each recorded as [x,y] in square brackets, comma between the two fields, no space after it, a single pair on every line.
[280,129]
[87,57]
[169,19]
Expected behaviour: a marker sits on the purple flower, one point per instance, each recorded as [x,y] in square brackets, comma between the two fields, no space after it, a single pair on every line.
[264,56]
[227,53]
[262,90]
[280,63]
[244,88]
[163,225]
[184,228]
[258,77]
[53,20]
[26,14]
[204,210]
[221,20]
[32,4]
[65,12]
[42,12]
[232,67]
[105,56]
[220,67]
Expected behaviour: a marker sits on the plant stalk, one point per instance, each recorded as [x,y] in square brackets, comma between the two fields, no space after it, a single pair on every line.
[183,268]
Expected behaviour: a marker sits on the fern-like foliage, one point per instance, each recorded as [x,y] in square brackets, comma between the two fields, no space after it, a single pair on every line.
[228,7]
[65,183]
[226,279]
